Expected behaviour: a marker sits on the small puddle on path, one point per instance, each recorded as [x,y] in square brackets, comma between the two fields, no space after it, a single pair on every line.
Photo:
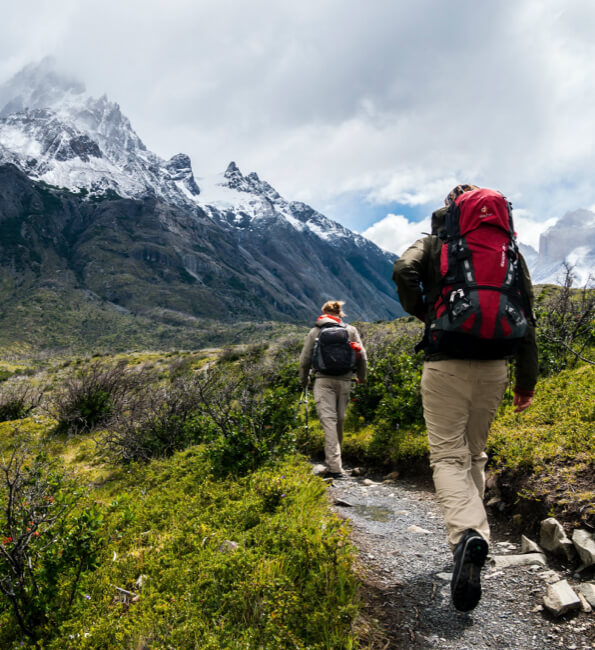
[375,513]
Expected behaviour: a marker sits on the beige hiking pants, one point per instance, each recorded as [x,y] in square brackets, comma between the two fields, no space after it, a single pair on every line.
[460,398]
[332,396]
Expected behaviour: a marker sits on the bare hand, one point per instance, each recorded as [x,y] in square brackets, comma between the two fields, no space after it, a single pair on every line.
[521,402]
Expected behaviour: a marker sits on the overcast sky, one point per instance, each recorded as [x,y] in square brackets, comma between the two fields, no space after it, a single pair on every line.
[368,110]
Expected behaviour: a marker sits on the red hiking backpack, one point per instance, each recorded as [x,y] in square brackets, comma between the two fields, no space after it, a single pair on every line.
[481,311]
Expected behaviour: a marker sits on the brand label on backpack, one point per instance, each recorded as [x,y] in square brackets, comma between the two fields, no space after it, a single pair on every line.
[480,310]
[333,353]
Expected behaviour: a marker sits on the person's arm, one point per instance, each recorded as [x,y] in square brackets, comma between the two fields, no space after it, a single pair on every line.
[306,356]
[526,362]
[362,357]
[408,272]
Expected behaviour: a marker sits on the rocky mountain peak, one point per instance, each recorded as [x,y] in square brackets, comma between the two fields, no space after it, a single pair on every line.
[572,240]
[37,85]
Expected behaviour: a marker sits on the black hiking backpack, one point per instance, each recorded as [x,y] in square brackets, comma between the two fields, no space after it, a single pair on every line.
[333,353]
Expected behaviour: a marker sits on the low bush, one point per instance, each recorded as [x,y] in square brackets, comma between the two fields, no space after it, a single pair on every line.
[241,411]
[49,540]
[90,397]
[565,326]
[17,399]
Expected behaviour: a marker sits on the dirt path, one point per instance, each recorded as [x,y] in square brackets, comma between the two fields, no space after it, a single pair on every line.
[405,563]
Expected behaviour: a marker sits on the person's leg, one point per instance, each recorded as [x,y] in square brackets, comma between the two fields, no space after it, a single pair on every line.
[343,392]
[326,405]
[489,386]
[447,392]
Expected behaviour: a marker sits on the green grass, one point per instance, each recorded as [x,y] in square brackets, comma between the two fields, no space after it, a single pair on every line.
[288,583]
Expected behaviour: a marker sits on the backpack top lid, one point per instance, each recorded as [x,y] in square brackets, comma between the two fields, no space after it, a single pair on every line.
[482,206]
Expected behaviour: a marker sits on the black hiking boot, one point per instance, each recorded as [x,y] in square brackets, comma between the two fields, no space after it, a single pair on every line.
[469,556]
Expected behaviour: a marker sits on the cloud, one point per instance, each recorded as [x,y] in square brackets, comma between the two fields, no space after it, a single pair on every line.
[324,99]
[529,230]
[395,233]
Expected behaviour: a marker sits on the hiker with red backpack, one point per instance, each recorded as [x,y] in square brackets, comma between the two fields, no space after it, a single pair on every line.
[333,351]
[469,284]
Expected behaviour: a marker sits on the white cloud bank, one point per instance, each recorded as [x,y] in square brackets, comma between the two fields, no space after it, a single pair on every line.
[395,233]
[396,100]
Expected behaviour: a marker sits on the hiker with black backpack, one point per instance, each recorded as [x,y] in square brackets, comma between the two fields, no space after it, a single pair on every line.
[333,352]
[469,284]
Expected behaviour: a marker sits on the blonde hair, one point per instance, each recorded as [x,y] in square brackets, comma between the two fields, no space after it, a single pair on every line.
[334,307]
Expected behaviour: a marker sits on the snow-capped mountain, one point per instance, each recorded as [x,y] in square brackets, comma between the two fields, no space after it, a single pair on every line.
[228,243]
[56,133]
[570,240]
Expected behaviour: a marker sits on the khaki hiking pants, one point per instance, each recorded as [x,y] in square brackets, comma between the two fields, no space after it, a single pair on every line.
[460,398]
[332,396]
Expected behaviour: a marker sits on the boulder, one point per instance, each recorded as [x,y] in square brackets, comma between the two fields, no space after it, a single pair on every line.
[529,546]
[585,605]
[553,538]
[561,598]
[584,542]
[587,589]
[506,561]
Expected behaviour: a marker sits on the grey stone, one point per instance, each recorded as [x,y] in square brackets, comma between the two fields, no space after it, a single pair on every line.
[553,538]
[550,577]
[585,605]
[506,561]
[418,529]
[447,577]
[343,504]
[584,542]
[561,598]
[529,546]
[368,482]
[228,547]
[318,469]
[141,581]
[358,471]
[494,574]
[587,589]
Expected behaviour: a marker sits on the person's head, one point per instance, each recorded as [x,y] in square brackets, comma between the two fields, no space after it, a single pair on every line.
[333,308]
[457,191]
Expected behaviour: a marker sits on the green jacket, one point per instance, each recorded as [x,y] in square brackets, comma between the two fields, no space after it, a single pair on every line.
[420,266]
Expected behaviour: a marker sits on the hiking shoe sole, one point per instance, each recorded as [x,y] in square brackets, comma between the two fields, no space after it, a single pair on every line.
[465,587]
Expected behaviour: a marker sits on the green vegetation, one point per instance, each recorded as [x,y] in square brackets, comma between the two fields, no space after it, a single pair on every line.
[160,499]
[161,503]
[67,322]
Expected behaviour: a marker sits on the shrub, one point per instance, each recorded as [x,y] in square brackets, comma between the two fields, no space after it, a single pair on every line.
[392,391]
[565,325]
[48,542]
[158,423]
[90,397]
[239,410]
[17,400]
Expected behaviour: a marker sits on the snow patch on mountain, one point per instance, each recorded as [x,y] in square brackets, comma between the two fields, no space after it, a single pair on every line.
[570,241]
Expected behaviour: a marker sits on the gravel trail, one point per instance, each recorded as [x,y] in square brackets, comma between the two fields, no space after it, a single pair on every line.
[405,566]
